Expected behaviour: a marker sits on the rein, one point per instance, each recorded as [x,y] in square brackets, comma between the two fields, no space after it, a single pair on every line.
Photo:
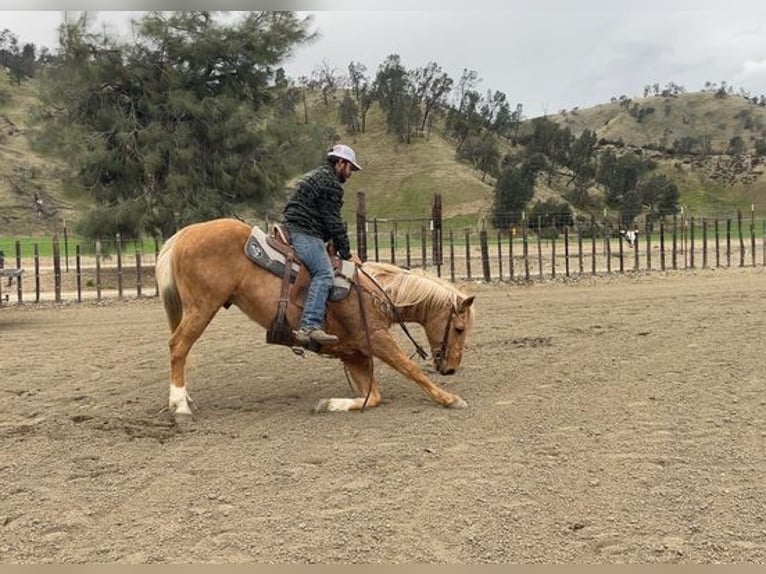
[422,353]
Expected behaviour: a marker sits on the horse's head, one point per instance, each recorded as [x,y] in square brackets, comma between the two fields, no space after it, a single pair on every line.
[447,330]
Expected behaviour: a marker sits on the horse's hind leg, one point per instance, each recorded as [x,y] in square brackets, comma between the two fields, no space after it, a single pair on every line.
[188,331]
[359,369]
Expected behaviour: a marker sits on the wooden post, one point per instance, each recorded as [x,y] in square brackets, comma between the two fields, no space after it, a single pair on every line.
[392,239]
[78,272]
[511,270]
[741,239]
[37,272]
[139,282]
[593,244]
[57,268]
[728,242]
[553,254]
[361,226]
[19,292]
[675,241]
[436,234]
[499,255]
[566,250]
[423,241]
[98,269]
[525,247]
[375,238]
[662,245]
[483,242]
[648,232]
[118,243]
[717,244]
[468,253]
[408,255]
[752,235]
[451,256]
[608,250]
[691,242]
[704,243]
[539,249]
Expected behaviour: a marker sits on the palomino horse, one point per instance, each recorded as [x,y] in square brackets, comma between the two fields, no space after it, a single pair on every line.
[203,267]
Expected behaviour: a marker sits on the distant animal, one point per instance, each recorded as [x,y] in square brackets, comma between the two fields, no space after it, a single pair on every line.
[630,236]
[204,267]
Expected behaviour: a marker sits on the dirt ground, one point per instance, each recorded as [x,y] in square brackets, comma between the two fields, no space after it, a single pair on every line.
[610,420]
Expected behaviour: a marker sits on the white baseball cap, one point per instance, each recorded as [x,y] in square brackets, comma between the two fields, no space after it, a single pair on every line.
[344,152]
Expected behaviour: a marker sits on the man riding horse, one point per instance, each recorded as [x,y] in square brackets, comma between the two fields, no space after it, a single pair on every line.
[312,215]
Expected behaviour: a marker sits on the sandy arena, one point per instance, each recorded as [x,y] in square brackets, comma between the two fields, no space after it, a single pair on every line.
[611,420]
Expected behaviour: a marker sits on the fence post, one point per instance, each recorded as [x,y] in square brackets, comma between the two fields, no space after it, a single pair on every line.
[662,245]
[608,248]
[675,241]
[375,238]
[648,233]
[118,243]
[78,272]
[18,266]
[468,253]
[407,254]
[436,236]
[484,254]
[361,226]
[423,241]
[691,242]
[511,235]
[37,272]
[717,244]
[451,256]
[56,268]
[139,282]
[728,242]
[752,234]
[593,244]
[741,239]
[704,243]
[392,239]
[553,252]
[499,255]
[525,246]
[98,269]
[566,250]
[539,249]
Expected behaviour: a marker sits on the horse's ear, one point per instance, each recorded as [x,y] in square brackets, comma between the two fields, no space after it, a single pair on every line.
[467,302]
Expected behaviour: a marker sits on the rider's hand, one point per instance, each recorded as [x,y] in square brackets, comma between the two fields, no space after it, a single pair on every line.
[355,259]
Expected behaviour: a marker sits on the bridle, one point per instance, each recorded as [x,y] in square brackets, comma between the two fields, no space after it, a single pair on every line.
[441,349]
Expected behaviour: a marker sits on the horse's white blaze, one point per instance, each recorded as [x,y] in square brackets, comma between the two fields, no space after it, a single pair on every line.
[339,404]
[178,400]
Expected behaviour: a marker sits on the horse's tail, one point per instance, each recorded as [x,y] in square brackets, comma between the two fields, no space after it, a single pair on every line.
[166,284]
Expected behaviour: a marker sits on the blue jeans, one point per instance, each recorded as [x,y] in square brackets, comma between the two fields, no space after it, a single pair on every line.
[312,252]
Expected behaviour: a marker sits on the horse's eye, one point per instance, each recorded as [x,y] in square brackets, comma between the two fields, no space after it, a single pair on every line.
[459,328]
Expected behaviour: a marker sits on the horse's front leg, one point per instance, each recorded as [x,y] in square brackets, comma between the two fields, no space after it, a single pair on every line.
[387,349]
[360,371]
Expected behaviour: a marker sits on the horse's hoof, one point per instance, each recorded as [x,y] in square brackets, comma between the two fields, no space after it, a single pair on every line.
[322,406]
[458,404]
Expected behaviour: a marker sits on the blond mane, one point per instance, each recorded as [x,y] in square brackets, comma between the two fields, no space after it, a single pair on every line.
[408,287]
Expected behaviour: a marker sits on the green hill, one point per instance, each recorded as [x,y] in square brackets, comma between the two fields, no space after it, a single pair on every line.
[399,180]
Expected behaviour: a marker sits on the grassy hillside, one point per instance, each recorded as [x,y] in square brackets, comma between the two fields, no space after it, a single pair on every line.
[399,180]
[719,183]
[24,175]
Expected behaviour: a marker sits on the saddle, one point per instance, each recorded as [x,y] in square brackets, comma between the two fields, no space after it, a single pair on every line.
[274,252]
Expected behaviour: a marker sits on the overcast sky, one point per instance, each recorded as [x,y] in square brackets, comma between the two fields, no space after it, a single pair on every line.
[547,57]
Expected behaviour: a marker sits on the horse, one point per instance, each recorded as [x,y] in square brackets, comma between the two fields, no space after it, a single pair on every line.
[203,267]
